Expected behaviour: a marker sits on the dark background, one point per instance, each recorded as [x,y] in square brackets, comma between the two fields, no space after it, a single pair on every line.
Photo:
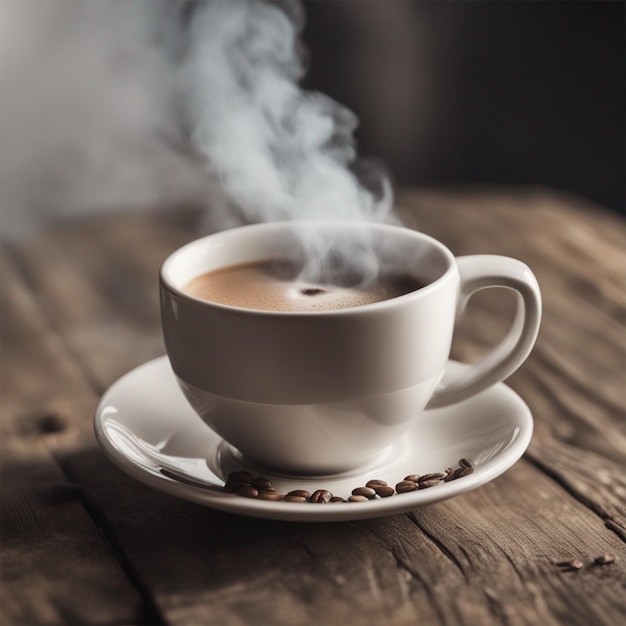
[481,92]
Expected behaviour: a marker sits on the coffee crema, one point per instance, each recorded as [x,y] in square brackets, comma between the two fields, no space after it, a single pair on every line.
[274,286]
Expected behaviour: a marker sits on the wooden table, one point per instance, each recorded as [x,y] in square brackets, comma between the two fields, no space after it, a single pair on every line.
[83,543]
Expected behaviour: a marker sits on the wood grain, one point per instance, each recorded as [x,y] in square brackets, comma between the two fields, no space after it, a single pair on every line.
[56,566]
[575,380]
[82,309]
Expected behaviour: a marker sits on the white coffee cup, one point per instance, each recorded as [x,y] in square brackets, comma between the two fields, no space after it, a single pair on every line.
[330,391]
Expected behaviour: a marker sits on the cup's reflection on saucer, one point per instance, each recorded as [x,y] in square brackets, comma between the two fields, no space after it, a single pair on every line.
[306,439]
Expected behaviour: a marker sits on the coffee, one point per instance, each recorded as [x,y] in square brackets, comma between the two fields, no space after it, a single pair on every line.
[274,286]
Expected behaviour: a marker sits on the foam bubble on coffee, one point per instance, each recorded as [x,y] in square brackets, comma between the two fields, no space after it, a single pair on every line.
[313,297]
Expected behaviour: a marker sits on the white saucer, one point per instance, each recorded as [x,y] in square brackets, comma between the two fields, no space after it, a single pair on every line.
[146,427]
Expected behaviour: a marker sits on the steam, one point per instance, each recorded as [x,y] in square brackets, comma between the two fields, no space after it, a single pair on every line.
[144,102]
[279,151]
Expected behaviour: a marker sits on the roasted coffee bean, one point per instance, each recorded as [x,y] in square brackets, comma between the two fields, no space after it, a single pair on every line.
[384,491]
[465,462]
[321,496]
[247,492]
[358,499]
[244,484]
[270,495]
[235,480]
[234,485]
[289,498]
[604,559]
[368,492]
[262,483]
[570,566]
[375,483]
[239,480]
[433,476]
[243,477]
[299,493]
[451,475]
[425,484]
[463,471]
[406,486]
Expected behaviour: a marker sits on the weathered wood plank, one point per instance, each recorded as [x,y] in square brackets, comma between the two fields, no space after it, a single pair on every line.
[486,557]
[576,244]
[56,566]
[575,380]
[98,281]
[488,554]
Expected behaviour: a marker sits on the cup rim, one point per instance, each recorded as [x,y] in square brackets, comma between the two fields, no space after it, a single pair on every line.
[167,284]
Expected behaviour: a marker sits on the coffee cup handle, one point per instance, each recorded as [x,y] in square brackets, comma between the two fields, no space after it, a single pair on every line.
[482,272]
